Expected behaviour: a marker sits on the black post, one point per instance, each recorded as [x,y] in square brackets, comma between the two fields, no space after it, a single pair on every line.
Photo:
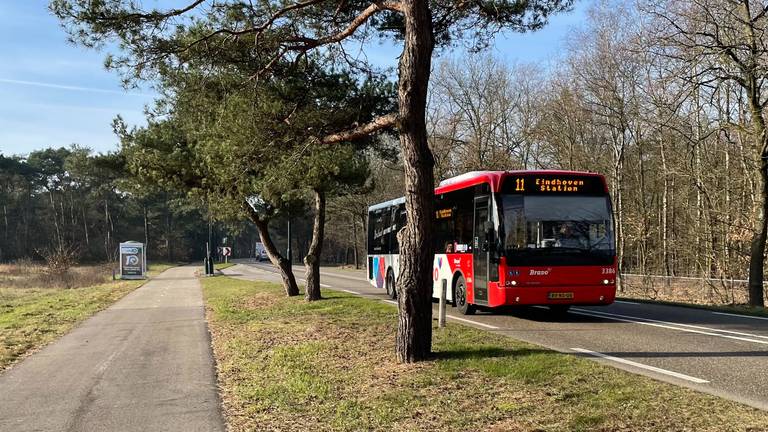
[207,260]
[210,229]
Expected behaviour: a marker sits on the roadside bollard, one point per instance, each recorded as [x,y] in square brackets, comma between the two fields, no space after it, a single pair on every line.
[441,316]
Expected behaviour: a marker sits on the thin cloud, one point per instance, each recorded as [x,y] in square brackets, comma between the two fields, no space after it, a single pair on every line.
[68,87]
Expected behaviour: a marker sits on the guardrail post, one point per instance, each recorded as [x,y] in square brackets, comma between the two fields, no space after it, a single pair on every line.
[441,316]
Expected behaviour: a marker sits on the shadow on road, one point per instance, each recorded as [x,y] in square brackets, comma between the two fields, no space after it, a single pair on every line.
[541,314]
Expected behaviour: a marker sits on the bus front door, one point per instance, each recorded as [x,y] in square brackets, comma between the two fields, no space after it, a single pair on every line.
[481,250]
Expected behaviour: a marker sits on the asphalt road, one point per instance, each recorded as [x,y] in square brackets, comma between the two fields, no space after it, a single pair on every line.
[720,354]
[144,364]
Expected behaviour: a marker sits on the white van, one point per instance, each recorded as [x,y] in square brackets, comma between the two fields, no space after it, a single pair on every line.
[261,252]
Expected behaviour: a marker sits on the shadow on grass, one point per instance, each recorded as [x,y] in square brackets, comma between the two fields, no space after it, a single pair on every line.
[486,353]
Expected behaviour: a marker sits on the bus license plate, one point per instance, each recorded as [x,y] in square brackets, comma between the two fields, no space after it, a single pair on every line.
[561,295]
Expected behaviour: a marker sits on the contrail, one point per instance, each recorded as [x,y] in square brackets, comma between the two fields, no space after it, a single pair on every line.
[68,87]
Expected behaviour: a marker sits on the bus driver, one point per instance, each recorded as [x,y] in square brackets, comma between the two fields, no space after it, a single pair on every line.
[569,238]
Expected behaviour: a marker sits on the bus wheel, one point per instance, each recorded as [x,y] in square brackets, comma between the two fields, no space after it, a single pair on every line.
[391,291]
[461,297]
[559,310]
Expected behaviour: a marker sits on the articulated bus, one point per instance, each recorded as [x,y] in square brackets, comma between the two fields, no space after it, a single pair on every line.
[505,238]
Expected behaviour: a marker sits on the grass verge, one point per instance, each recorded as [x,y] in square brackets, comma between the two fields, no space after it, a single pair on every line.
[33,317]
[329,365]
[222,266]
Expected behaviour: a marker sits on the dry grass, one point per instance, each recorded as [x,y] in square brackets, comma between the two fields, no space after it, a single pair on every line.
[288,365]
[27,274]
[721,295]
[35,308]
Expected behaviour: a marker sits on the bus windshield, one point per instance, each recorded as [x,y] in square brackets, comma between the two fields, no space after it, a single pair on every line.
[557,230]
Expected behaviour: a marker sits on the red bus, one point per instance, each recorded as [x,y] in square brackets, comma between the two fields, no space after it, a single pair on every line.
[505,238]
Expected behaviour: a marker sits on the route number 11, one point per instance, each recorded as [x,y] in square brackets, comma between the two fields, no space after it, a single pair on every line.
[519,185]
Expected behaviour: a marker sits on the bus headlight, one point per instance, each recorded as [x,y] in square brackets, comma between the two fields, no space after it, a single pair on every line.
[606,282]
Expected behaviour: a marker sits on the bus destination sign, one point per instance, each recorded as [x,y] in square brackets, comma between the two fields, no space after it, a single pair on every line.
[554,184]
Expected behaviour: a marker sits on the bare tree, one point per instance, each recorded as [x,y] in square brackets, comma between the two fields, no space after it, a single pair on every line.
[723,42]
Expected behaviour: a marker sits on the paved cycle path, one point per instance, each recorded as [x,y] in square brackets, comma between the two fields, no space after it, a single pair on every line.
[144,364]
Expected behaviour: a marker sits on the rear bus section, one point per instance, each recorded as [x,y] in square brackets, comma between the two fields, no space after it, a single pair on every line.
[384,221]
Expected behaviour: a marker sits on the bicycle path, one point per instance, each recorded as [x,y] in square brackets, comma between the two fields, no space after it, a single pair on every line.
[144,364]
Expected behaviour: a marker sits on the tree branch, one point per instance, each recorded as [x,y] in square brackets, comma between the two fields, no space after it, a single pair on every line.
[363,131]
[375,7]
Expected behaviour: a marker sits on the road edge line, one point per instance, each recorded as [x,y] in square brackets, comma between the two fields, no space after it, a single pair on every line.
[642,366]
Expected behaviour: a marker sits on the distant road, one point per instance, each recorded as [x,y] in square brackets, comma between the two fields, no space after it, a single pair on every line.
[144,364]
[721,354]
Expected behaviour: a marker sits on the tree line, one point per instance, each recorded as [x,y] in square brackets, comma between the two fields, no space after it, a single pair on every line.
[68,200]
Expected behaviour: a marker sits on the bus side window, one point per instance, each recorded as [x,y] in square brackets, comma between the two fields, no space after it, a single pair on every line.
[444,240]
[462,202]
[398,222]
[369,243]
[378,242]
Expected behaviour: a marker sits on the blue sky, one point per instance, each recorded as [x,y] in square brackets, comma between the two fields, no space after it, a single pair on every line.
[54,94]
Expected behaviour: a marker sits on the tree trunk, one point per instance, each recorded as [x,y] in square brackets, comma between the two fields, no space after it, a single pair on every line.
[286,271]
[414,282]
[5,219]
[312,259]
[664,204]
[146,231]
[751,84]
[168,229]
[55,220]
[354,242]
[85,229]
[757,247]
[108,232]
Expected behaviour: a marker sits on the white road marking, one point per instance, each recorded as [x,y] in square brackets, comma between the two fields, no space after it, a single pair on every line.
[349,291]
[626,302]
[472,322]
[390,301]
[642,366]
[692,326]
[667,325]
[741,316]
[324,285]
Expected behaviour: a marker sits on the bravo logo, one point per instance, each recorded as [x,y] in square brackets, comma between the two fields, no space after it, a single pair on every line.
[539,272]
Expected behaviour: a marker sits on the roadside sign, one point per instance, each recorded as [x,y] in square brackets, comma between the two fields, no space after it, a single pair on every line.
[226,251]
[133,260]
